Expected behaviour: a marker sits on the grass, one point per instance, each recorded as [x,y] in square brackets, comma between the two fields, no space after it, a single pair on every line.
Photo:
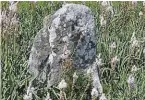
[16,43]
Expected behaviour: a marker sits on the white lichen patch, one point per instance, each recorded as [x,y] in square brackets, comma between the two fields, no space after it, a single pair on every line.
[52,36]
[56,22]
[65,39]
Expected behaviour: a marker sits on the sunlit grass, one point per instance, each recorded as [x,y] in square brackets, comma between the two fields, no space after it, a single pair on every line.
[16,47]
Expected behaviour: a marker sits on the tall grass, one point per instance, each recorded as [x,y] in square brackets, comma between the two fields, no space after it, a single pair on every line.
[16,44]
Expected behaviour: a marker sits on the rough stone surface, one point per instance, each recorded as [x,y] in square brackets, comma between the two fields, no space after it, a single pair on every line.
[67,34]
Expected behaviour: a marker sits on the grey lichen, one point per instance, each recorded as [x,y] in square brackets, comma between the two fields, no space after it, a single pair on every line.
[67,34]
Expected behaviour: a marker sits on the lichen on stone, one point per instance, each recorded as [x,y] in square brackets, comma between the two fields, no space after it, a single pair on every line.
[68,34]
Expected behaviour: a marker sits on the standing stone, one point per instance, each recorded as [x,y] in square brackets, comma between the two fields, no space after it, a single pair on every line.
[67,35]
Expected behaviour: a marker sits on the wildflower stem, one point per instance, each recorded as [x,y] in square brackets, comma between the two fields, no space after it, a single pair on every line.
[72,88]
[85,90]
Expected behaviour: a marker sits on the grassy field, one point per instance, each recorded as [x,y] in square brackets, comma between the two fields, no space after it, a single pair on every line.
[122,36]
